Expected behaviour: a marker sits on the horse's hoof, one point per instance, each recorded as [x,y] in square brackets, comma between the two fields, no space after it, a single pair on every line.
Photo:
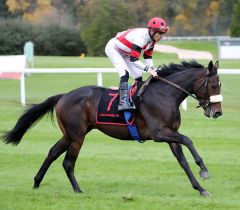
[204,174]
[205,193]
[35,186]
[78,191]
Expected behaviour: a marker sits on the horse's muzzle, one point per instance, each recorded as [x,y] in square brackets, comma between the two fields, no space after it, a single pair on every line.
[217,114]
[213,111]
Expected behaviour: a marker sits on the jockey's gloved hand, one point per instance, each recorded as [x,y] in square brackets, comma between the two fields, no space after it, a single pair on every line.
[152,71]
[159,68]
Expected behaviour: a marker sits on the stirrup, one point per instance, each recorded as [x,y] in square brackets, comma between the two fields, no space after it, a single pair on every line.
[126,108]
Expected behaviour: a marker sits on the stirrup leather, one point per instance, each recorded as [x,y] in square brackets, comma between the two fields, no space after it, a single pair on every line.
[143,88]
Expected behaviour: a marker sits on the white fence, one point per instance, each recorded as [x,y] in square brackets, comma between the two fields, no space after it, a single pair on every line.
[229,48]
[194,38]
[98,71]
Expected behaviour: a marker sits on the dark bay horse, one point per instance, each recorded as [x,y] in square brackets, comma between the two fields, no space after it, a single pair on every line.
[159,118]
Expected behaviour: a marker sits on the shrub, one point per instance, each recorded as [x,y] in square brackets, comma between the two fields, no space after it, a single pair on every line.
[235,26]
[48,39]
[101,20]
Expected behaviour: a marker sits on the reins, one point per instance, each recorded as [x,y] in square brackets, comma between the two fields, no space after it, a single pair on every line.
[202,102]
[176,86]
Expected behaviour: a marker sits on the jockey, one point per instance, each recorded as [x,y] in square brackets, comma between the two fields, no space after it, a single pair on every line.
[124,51]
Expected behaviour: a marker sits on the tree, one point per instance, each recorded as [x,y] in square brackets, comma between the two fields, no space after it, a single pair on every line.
[62,12]
[3,9]
[101,20]
[185,12]
[67,10]
[212,14]
[31,10]
[225,17]
[235,24]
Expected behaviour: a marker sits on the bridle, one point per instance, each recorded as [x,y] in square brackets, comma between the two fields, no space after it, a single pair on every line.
[202,102]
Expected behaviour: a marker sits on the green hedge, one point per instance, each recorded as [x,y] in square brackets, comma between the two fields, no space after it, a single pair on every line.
[48,39]
[235,26]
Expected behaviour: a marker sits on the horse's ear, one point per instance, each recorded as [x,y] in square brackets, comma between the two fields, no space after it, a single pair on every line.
[216,64]
[210,66]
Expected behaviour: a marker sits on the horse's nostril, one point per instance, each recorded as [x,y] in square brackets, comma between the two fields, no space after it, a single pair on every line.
[218,114]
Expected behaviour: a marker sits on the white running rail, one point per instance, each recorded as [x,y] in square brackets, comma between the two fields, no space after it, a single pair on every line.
[99,71]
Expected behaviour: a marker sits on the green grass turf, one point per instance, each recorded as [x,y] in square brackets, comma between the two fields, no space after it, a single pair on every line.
[102,62]
[108,170]
[210,46]
[159,58]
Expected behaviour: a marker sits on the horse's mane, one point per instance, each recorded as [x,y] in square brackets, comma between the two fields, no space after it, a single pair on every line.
[173,68]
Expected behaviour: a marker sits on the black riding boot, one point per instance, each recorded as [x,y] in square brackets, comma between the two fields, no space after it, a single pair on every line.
[124,103]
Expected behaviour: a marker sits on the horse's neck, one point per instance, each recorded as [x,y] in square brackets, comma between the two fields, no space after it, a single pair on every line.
[185,80]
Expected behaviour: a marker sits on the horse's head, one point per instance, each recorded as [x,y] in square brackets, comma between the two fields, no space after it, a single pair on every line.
[208,90]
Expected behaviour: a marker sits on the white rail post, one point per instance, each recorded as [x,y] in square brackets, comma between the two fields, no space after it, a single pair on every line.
[99,79]
[22,87]
[184,105]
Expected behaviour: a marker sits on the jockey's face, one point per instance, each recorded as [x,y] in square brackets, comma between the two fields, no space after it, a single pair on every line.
[157,36]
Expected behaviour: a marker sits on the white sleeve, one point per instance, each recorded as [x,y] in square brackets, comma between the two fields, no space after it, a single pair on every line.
[149,62]
[139,64]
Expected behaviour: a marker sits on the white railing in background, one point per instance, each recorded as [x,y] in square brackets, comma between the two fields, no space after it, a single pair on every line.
[99,72]
[194,38]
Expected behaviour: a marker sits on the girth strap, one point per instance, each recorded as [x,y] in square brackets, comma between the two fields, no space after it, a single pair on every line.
[132,128]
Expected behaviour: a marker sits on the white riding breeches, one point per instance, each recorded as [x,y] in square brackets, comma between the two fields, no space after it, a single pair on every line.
[121,61]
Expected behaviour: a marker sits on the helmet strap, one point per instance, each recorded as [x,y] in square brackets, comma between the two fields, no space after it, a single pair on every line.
[151,35]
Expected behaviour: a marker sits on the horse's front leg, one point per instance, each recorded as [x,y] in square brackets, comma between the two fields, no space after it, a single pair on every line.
[178,153]
[169,136]
[199,161]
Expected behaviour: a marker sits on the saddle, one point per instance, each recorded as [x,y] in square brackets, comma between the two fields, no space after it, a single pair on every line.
[108,106]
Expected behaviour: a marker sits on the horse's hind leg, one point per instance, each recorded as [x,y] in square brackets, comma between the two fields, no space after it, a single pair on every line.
[59,148]
[70,160]
[178,153]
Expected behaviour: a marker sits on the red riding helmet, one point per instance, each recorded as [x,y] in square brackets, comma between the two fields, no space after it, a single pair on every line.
[158,24]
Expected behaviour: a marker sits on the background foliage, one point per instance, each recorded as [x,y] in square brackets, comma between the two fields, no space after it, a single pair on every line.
[99,20]
[107,18]
[235,28]
[52,39]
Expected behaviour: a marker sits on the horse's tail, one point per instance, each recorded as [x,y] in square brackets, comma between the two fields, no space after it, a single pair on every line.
[29,119]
